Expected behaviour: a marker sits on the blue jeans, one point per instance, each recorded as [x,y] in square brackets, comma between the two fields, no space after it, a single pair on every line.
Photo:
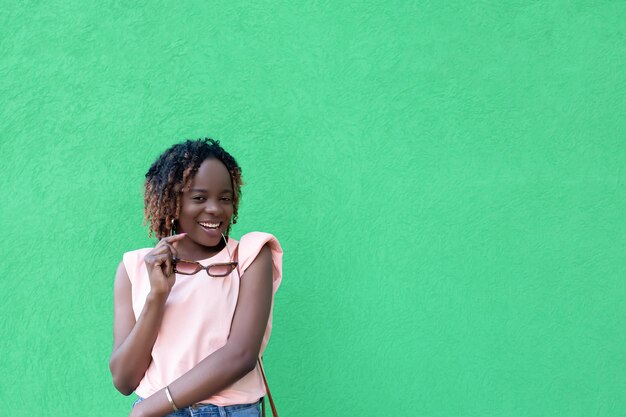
[210,410]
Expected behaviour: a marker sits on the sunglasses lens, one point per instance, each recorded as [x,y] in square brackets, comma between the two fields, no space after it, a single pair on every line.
[221,270]
[186,268]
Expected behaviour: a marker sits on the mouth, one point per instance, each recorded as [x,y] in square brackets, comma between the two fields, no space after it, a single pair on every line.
[210,225]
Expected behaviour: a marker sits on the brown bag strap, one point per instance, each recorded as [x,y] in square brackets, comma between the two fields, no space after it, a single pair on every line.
[269,394]
[267,387]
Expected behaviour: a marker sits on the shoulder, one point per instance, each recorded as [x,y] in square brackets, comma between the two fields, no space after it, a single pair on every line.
[258,239]
[251,244]
[135,255]
[133,260]
[264,245]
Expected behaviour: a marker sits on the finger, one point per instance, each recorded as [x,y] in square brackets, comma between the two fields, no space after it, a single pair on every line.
[170,239]
[171,248]
[175,238]
[160,250]
[169,271]
[152,259]
[160,260]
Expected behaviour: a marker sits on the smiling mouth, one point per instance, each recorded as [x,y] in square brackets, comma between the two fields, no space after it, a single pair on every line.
[210,225]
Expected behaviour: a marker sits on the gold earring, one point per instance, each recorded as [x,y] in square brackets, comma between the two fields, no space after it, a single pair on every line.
[172,227]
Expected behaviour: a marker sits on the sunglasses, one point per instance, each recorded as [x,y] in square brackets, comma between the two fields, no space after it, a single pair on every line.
[222,269]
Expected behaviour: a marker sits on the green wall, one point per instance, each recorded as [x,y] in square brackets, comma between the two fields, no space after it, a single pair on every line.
[446,179]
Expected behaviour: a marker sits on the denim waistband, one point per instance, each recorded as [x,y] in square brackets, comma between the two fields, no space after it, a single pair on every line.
[213,407]
[205,408]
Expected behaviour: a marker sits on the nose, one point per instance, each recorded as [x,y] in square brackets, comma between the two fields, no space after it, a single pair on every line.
[212,206]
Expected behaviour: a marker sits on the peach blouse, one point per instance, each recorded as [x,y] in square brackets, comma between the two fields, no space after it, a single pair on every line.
[197,318]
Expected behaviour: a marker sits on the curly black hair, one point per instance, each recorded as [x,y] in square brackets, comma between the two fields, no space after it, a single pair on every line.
[171,174]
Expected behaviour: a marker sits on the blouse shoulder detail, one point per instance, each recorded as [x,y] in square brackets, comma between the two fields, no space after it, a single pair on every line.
[133,261]
[250,245]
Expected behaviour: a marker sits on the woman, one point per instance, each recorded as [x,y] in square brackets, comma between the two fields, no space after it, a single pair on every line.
[193,314]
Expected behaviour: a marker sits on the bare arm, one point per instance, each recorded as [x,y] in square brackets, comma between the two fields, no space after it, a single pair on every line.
[133,340]
[237,357]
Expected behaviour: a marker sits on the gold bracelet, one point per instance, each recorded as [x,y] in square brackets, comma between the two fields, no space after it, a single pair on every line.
[169,398]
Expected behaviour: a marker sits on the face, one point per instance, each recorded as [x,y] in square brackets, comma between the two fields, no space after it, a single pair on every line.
[206,209]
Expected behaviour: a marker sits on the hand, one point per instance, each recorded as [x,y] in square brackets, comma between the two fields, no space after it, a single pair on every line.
[155,405]
[136,411]
[159,262]
[139,410]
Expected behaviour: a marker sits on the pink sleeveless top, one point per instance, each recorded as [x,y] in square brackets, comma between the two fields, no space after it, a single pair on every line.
[197,318]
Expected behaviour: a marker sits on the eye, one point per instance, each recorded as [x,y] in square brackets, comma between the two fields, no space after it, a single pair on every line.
[198,198]
[226,199]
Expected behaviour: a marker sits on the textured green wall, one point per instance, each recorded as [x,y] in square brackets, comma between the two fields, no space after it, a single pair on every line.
[446,178]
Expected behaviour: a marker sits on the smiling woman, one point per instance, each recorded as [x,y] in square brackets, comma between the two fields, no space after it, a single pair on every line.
[194,314]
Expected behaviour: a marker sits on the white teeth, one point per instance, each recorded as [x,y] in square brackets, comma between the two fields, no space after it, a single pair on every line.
[209,225]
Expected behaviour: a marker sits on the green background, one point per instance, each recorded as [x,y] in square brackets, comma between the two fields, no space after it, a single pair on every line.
[446,179]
